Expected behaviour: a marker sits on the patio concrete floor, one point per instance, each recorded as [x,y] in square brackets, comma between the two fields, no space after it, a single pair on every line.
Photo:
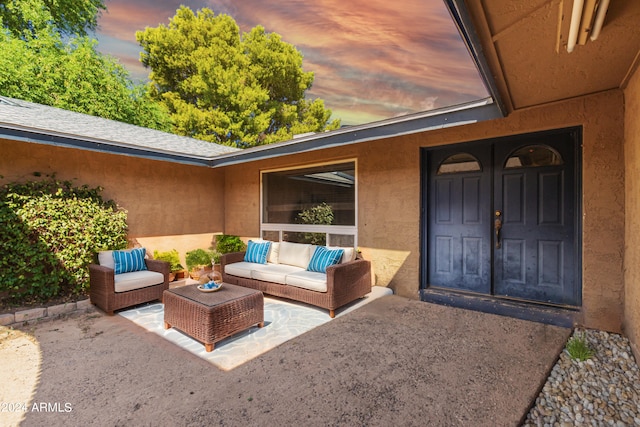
[393,361]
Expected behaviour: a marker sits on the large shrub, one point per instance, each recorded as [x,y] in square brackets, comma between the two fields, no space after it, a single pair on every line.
[49,232]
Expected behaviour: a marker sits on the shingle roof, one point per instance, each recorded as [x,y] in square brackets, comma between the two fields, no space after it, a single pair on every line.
[42,124]
[106,135]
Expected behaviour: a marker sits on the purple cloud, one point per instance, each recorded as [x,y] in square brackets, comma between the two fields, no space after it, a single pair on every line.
[371,59]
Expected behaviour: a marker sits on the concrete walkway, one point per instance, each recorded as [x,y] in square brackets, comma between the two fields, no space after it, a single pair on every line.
[392,362]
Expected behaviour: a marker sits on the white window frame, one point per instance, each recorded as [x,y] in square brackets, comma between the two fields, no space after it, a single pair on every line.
[351,230]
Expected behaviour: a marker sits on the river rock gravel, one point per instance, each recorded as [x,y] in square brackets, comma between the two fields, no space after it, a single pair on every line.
[601,391]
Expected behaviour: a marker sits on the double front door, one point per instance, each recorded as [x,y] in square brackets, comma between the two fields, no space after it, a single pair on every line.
[502,218]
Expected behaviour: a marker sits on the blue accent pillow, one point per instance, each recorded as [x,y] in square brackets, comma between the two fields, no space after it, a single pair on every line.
[257,252]
[128,261]
[323,258]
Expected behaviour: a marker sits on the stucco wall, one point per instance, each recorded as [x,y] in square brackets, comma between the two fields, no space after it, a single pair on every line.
[169,205]
[632,226]
[389,196]
[182,207]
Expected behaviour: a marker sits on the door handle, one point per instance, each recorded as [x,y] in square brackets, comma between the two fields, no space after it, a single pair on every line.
[498,228]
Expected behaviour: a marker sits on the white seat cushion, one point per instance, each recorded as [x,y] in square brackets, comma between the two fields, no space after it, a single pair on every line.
[297,254]
[308,280]
[105,259]
[276,273]
[274,253]
[348,255]
[240,269]
[136,279]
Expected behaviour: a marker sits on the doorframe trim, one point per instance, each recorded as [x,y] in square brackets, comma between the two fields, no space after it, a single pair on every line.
[488,302]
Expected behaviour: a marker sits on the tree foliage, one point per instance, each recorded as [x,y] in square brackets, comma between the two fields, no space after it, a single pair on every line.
[67,72]
[68,17]
[319,214]
[224,87]
[50,231]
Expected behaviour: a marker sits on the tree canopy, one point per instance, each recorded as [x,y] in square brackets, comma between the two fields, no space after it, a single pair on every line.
[224,87]
[40,65]
[69,17]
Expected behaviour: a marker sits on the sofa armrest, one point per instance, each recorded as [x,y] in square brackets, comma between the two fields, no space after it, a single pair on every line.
[159,267]
[349,277]
[101,278]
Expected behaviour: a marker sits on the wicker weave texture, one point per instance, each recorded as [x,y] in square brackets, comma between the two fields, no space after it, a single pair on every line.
[211,317]
[102,289]
[345,283]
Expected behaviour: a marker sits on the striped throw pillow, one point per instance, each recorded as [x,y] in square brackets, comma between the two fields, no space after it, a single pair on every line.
[257,252]
[128,261]
[323,258]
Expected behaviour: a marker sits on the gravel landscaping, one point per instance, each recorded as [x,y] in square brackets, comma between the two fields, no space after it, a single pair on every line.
[603,390]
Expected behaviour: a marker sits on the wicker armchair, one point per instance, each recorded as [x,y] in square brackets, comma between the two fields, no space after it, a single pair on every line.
[102,289]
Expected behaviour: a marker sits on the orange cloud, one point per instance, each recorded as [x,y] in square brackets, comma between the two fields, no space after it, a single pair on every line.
[383,58]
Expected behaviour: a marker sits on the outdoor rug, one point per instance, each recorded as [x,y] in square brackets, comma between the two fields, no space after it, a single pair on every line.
[283,320]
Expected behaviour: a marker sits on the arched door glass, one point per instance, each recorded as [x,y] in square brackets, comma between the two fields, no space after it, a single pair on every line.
[533,156]
[460,162]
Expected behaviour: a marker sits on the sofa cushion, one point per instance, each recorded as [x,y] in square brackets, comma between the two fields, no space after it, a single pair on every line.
[257,252]
[136,279]
[276,273]
[240,269]
[105,259]
[297,254]
[274,252]
[323,258]
[130,260]
[311,280]
[349,253]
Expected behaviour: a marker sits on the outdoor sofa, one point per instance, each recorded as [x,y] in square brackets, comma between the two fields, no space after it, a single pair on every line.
[290,270]
[136,280]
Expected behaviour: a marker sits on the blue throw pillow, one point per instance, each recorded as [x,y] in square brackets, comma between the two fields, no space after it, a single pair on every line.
[323,258]
[257,252]
[128,261]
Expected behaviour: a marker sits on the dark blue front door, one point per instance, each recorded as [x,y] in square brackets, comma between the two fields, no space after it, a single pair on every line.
[459,219]
[501,218]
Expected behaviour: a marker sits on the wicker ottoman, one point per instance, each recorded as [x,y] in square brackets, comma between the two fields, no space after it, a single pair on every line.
[212,316]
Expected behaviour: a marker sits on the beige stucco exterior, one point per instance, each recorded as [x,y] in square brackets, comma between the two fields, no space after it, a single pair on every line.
[183,207]
[389,196]
[632,212]
[169,205]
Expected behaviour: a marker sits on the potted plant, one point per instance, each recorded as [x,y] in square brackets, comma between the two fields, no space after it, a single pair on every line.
[226,243]
[173,258]
[198,260]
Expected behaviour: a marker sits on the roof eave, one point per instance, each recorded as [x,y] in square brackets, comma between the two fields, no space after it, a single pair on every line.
[97,145]
[462,19]
[468,113]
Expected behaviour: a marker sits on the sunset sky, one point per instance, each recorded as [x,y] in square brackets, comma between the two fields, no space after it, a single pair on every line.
[372,59]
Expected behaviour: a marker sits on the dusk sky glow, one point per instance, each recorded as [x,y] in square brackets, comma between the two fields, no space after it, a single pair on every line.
[372,59]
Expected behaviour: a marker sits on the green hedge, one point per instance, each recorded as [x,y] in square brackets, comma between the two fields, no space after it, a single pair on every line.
[49,232]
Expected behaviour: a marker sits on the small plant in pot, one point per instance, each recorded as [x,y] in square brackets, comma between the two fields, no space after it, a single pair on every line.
[173,258]
[198,261]
[225,244]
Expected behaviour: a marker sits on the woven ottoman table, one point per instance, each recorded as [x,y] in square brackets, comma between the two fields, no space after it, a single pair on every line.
[212,316]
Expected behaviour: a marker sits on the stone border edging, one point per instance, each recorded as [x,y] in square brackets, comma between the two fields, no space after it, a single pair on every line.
[21,317]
